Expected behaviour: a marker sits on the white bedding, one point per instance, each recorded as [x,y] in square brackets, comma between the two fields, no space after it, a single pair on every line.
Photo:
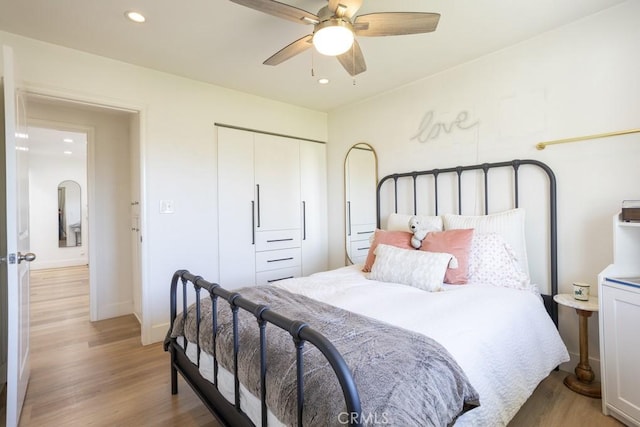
[502,338]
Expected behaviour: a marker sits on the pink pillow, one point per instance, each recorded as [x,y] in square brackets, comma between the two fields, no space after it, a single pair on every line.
[456,243]
[399,239]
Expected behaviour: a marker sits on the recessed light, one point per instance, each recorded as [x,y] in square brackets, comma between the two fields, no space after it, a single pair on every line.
[323,81]
[22,135]
[135,16]
[21,148]
[67,152]
[68,140]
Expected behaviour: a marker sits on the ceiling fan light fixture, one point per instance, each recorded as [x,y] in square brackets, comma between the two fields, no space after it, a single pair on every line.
[333,37]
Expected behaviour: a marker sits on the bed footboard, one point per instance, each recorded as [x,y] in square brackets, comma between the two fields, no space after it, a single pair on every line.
[230,413]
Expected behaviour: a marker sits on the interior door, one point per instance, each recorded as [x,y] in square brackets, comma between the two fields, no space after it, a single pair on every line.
[16,223]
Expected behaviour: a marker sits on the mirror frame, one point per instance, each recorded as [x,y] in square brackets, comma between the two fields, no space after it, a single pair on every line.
[356,146]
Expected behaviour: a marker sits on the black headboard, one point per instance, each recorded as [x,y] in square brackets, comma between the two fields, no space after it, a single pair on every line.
[457,174]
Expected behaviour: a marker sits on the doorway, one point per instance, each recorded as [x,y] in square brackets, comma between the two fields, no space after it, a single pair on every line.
[112,200]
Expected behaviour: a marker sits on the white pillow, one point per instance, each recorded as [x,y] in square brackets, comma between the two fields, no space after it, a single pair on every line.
[420,269]
[508,224]
[492,261]
[400,222]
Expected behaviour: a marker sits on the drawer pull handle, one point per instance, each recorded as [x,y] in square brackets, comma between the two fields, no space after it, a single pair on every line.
[363,249]
[279,240]
[280,259]
[365,232]
[282,278]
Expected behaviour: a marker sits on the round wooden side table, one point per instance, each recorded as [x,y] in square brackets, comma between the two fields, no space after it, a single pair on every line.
[582,381]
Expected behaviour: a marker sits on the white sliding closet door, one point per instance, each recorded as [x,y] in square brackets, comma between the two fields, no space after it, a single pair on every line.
[313,183]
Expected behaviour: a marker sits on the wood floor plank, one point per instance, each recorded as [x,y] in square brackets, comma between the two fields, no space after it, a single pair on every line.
[97,374]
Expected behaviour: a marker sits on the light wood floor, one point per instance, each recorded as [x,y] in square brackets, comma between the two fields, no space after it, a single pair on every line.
[98,374]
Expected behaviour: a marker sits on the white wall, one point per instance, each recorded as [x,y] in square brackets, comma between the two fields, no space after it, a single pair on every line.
[178,151]
[46,172]
[578,80]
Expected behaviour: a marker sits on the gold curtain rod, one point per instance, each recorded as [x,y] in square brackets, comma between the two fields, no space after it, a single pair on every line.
[542,145]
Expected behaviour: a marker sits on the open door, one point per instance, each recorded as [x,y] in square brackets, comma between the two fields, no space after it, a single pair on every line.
[15,235]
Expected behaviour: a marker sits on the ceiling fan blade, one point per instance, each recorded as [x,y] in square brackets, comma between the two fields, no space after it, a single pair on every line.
[353,60]
[346,8]
[280,10]
[395,23]
[290,50]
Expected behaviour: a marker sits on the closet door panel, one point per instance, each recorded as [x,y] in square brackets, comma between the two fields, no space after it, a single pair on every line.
[277,179]
[235,208]
[313,183]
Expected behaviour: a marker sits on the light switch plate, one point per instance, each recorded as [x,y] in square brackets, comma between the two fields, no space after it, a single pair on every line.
[166,207]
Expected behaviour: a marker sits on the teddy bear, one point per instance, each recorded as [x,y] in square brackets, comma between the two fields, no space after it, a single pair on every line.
[419,231]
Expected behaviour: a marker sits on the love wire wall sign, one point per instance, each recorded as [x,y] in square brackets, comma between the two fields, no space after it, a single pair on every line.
[430,130]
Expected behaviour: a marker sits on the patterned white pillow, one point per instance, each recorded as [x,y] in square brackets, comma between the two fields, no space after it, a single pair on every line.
[509,224]
[492,261]
[420,269]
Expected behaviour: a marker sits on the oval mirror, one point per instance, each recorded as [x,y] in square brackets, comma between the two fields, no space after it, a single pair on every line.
[360,181]
[69,214]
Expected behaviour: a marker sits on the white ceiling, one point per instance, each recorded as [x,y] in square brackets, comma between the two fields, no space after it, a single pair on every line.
[223,43]
[57,143]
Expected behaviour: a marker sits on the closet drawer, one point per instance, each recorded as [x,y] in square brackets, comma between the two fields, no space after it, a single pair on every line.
[277,239]
[266,277]
[273,260]
[362,231]
[359,250]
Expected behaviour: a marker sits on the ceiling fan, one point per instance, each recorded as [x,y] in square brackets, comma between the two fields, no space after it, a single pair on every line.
[335,27]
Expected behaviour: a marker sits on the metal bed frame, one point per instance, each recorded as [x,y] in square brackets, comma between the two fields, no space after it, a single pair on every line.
[230,413]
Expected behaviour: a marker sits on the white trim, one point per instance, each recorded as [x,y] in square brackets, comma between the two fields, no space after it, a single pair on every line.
[38,90]
[73,262]
[145,291]
[159,332]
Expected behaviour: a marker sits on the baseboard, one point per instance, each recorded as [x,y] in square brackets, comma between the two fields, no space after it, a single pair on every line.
[138,317]
[45,265]
[158,332]
[575,359]
[115,310]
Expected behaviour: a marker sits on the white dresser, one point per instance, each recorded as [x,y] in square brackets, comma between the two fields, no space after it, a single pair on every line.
[619,296]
